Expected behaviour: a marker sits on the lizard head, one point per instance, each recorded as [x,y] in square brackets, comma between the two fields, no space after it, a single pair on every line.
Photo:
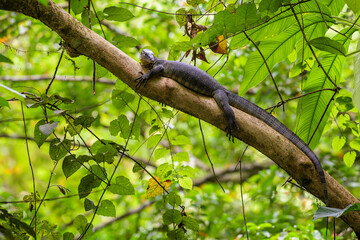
[147,57]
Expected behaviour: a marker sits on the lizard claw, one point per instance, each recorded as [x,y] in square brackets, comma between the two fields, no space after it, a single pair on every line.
[141,80]
[229,130]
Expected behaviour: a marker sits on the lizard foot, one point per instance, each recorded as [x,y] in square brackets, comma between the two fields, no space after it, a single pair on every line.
[142,80]
[229,130]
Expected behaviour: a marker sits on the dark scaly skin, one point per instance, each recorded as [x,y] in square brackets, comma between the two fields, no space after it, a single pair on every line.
[199,81]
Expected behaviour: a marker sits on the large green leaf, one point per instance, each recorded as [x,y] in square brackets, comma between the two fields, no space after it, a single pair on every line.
[356,92]
[328,45]
[274,51]
[278,24]
[311,108]
[354,5]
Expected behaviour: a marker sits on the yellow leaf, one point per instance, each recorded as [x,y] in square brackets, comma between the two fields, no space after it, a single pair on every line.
[154,187]
[220,46]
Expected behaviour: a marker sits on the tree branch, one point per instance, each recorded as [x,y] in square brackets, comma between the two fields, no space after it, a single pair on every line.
[252,131]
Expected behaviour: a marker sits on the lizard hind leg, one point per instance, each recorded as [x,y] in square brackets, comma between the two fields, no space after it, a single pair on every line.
[222,101]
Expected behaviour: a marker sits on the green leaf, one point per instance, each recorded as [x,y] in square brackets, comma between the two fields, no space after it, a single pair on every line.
[356,92]
[84,121]
[181,140]
[182,157]
[94,20]
[164,170]
[270,5]
[78,6]
[195,3]
[107,208]
[48,128]
[181,17]
[87,183]
[311,108]
[176,234]
[117,14]
[89,204]
[354,5]
[338,142]
[349,158]
[13,93]
[5,59]
[70,165]
[39,137]
[68,236]
[58,150]
[121,99]
[275,50]
[72,128]
[80,223]
[138,168]
[122,186]
[122,125]
[328,45]
[154,140]
[4,103]
[324,212]
[160,153]
[125,41]
[172,216]
[191,223]
[186,182]
[174,199]
[44,2]
[355,144]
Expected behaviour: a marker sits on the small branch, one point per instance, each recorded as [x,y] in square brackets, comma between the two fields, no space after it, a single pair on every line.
[57,78]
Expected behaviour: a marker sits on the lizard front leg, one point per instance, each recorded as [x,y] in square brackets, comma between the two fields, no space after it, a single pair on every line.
[145,77]
[222,100]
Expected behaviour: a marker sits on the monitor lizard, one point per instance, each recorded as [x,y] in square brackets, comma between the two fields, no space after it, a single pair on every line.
[201,82]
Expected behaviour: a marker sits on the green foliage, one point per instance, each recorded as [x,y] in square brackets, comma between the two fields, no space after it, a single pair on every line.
[5,59]
[328,45]
[117,14]
[13,227]
[105,141]
[107,209]
[122,186]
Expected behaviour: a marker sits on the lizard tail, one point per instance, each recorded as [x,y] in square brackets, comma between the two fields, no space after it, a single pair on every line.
[254,110]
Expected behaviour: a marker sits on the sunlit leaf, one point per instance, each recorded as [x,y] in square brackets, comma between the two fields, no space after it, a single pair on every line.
[186,182]
[354,5]
[349,158]
[156,187]
[338,143]
[117,14]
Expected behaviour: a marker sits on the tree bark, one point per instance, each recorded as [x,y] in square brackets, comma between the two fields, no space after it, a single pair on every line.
[252,131]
